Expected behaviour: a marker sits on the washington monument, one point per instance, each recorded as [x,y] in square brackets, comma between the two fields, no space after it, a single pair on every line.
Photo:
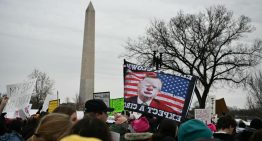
[88,56]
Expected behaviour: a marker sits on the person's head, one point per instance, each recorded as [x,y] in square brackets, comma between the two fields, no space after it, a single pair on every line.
[52,127]
[140,125]
[192,130]
[149,87]
[92,127]
[227,124]
[97,108]
[256,123]
[241,124]
[212,127]
[68,110]
[167,127]
[29,126]
[79,138]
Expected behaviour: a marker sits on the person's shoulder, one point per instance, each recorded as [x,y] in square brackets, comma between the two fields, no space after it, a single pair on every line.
[13,136]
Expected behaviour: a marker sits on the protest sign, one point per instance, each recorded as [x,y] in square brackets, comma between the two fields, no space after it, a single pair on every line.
[48,98]
[157,93]
[52,105]
[203,115]
[221,107]
[19,95]
[105,96]
[211,104]
[24,113]
[117,104]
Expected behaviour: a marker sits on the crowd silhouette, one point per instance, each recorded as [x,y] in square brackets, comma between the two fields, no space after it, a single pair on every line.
[63,124]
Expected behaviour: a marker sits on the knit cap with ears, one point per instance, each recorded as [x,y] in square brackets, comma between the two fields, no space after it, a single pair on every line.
[192,130]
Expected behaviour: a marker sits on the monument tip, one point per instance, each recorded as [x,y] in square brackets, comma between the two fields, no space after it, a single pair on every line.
[90,7]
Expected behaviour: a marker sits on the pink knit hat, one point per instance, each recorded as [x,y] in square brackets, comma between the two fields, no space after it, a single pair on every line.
[140,125]
[212,127]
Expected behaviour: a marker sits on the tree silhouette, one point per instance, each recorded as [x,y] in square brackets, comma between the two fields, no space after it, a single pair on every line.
[44,86]
[207,45]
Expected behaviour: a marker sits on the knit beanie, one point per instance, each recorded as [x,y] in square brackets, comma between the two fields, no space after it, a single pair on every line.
[212,127]
[192,130]
[140,125]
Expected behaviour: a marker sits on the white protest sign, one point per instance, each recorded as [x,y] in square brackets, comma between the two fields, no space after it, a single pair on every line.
[21,113]
[19,95]
[105,96]
[203,115]
[48,98]
[211,104]
[24,113]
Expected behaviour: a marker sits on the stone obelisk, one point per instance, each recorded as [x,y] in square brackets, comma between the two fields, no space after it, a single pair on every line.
[88,56]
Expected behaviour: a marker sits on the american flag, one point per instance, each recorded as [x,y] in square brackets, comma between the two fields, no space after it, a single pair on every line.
[173,92]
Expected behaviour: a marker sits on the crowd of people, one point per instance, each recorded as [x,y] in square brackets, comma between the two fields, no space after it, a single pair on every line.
[63,124]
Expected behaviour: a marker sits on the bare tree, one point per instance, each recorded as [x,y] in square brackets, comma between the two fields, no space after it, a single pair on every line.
[206,45]
[77,100]
[44,86]
[254,85]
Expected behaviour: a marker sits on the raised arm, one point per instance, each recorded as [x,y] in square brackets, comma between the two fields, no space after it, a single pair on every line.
[3,103]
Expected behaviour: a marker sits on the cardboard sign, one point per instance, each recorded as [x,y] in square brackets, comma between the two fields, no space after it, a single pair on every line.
[117,104]
[211,104]
[105,96]
[19,95]
[52,105]
[221,107]
[203,115]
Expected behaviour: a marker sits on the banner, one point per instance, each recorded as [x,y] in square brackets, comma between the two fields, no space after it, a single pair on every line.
[117,104]
[157,93]
[203,115]
[19,95]
[105,96]
[52,105]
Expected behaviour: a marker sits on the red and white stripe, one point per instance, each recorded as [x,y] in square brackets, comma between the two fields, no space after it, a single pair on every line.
[131,87]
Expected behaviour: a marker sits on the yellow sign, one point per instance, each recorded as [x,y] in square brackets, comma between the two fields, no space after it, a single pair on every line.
[52,105]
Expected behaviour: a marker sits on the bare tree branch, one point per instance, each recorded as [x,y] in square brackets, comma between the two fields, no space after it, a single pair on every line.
[206,45]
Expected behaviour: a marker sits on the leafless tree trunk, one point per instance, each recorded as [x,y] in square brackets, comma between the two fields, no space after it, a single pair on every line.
[44,86]
[254,84]
[78,103]
[206,45]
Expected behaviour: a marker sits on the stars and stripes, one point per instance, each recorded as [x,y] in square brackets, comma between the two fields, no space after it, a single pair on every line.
[173,92]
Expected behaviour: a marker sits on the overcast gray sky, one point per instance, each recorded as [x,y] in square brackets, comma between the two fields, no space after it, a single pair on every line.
[48,35]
